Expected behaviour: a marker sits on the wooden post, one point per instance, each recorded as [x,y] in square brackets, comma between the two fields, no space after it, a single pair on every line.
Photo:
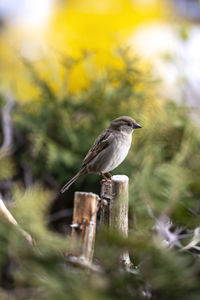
[105,202]
[84,224]
[119,211]
[115,212]
[119,204]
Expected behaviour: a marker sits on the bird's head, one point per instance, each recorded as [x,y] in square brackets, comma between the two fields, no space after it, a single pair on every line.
[124,124]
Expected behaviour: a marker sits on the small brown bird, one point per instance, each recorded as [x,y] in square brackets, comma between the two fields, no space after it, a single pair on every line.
[109,150]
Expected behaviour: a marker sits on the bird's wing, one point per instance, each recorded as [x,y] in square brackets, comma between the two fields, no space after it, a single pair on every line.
[101,143]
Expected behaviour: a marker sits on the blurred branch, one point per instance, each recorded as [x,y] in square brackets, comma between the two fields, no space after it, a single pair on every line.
[22,293]
[7,128]
[8,216]
[28,177]
[83,263]
[169,238]
[59,215]
[194,242]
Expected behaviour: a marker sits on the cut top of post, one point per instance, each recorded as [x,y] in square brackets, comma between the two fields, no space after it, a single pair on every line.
[120,178]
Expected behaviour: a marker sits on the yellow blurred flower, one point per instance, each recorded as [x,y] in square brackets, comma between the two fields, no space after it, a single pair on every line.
[99,27]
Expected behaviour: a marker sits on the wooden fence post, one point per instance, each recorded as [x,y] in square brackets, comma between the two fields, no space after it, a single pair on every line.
[119,211]
[115,212]
[105,202]
[84,224]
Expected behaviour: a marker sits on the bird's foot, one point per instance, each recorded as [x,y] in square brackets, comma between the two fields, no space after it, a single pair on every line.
[105,178]
[109,174]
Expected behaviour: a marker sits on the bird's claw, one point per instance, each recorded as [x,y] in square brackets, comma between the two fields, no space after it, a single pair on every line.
[105,178]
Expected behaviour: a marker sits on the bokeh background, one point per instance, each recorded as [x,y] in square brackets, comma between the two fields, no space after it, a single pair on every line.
[67,68]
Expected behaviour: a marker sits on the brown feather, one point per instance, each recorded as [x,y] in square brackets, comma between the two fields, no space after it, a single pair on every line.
[100,144]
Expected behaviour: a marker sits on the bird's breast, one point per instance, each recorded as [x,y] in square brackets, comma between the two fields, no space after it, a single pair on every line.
[118,150]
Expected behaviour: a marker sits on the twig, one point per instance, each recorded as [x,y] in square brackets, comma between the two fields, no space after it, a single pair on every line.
[194,242]
[28,178]
[22,293]
[8,216]
[59,215]
[82,263]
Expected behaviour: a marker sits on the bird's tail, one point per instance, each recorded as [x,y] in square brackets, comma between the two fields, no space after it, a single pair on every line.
[67,185]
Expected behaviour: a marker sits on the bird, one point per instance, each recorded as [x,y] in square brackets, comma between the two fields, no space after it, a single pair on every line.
[109,149]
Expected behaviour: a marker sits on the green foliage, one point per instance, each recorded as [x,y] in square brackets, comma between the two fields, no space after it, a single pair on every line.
[60,130]
[163,165]
[167,163]
[7,167]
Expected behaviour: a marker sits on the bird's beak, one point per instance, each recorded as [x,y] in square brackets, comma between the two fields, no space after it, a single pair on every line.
[136,125]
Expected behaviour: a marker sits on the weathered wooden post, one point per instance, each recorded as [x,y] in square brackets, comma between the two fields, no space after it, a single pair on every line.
[105,202]
[84,225]
[115,192]
[119,211]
